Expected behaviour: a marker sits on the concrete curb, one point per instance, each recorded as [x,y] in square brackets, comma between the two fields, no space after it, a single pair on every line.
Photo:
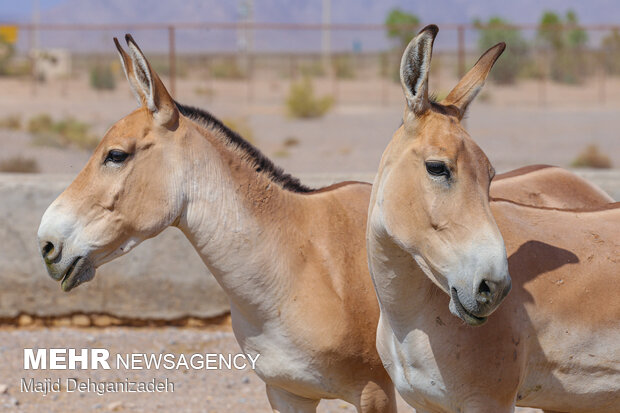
[163,279]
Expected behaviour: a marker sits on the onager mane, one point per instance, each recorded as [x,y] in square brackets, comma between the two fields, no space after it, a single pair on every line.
[247,152]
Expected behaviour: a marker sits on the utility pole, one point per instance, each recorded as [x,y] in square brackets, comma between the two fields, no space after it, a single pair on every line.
[246,42]
[34,44]
[326,34]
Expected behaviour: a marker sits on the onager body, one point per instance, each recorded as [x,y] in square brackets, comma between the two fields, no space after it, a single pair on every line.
[291,260]
[548,186]
[435,251]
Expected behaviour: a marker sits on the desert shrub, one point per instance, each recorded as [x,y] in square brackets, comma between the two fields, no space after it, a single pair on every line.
[63,133]
[241,126]
[7,51]
[565,41]
[40,124]
[102,77]
[19,164]
[343,68]
[74,132]
[611,55]
[13,122]
[592,157]
[512,61]
[312,69]
[227,69]
[302,103]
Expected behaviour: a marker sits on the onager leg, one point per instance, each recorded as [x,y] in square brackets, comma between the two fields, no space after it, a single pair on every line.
[284,402]
[377,398]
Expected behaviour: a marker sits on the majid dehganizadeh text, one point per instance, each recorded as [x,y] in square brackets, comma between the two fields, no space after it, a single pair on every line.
[99,358]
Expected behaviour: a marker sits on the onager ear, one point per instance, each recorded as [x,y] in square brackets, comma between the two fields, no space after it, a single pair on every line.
[467,89]
[414,68]
[129,73]
[149,87]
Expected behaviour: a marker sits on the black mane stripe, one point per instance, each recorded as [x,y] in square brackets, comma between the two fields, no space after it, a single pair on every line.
[252,155]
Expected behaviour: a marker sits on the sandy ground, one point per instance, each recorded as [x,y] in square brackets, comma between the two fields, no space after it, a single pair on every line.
[194,390]
[508,123]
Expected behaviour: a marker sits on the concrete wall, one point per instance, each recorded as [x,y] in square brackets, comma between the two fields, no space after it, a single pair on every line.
[161,279]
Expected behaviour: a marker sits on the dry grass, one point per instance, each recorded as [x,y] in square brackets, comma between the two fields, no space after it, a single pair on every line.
[19,164]
[290,142]
[592,157]
[63,133]
[227,69]
[12,122]
[302,103]
[204,91]
[242,127]
[281,153]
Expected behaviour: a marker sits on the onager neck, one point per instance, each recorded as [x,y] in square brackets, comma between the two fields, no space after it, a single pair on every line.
[403,287]
[233,217]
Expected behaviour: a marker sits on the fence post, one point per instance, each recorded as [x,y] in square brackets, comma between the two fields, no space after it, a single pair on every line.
[542,86]
[172,60]
[601,86]
[461,52]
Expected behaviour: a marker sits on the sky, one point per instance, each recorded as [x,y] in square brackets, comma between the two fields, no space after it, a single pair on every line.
[18,9]
[521,11]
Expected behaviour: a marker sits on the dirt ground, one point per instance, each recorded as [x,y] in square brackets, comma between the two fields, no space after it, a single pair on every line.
[507,122]
[212,391]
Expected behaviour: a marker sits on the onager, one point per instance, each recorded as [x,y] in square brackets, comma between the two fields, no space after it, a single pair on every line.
[436,250]
[291,260]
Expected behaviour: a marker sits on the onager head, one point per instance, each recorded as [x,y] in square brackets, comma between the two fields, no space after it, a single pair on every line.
[431,195]
[129,190]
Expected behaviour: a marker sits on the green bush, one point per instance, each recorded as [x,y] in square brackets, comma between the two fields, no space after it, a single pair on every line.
[402,26]
[565,41]
[102,77]
[513,60]
[302,103]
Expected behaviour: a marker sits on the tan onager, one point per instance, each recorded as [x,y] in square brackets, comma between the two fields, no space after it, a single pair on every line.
[292,261]
[435,252]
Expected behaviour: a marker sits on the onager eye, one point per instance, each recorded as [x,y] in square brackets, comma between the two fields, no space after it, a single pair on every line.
[437,168]
[116,156]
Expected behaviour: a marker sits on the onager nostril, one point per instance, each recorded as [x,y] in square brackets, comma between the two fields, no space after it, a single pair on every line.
[484,292]
[49,251]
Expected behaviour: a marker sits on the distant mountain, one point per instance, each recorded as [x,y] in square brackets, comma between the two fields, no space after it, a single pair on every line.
[309,11]
[287,11]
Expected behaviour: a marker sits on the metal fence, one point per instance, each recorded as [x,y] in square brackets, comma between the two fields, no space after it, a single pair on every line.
[354,63]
